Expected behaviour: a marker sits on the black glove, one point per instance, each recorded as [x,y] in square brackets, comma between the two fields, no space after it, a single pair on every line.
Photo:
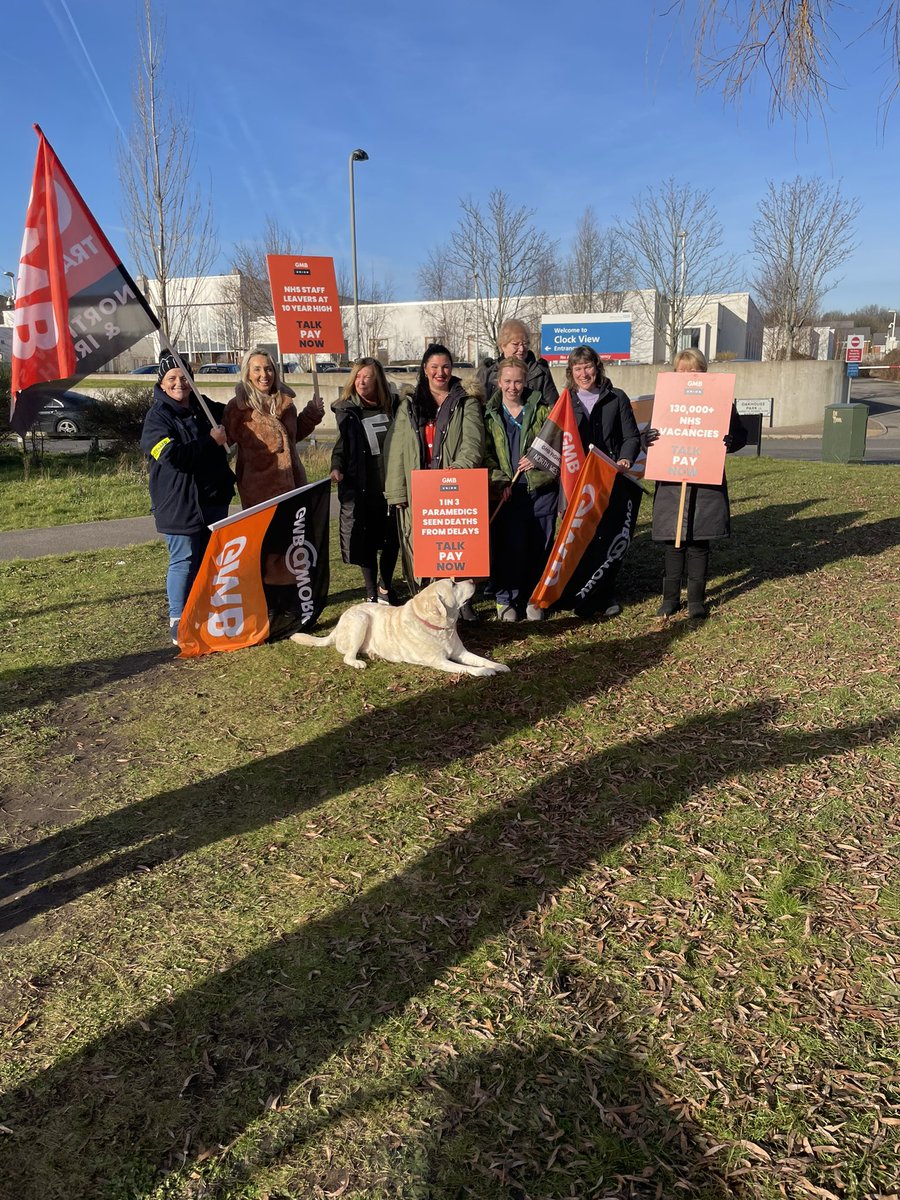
[728,440]
[649,436]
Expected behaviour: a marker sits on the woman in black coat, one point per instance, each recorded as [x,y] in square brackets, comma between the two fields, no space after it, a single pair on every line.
[707,515]
[367,532]
[605,420]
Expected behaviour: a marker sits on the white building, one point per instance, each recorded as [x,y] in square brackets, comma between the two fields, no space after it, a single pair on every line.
[728,324]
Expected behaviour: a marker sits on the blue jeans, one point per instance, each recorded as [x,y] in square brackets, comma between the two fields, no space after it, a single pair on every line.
[186,552]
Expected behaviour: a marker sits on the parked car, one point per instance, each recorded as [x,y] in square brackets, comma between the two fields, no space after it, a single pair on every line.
[149,369]
[66,414]
[218,369]
[329,366]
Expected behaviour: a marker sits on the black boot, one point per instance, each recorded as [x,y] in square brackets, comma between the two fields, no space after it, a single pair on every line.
[696,598]
[671,597]
[697,568]
[671,600]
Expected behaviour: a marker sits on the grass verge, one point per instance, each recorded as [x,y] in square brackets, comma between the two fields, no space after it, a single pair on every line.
[621,923]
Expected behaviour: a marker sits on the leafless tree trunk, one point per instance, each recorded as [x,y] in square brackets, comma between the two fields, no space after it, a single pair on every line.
[248,259]
[374,320]
[791,43]
[673,241]
[595,275]
[448,320]
[499,251]
[804,232]
[169,222]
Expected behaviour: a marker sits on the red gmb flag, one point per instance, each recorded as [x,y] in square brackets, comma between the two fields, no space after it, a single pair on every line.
[76,305]
[557,447]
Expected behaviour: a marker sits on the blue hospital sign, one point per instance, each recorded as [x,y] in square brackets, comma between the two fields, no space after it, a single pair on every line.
[608,333]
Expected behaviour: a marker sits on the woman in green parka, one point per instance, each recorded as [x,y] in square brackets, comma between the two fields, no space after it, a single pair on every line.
[523,527]
[438,427]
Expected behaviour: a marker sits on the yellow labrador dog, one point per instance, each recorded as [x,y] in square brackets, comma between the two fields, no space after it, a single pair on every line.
[422,631]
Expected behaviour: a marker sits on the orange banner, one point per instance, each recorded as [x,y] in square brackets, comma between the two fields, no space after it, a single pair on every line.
[227,609]
[306,304]
[590,497]
[692,411]
[449,518]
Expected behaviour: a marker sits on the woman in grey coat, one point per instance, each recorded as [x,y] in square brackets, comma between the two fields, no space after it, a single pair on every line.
[707,515]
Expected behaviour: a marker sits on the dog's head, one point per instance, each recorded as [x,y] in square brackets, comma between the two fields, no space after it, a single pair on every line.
[440,602]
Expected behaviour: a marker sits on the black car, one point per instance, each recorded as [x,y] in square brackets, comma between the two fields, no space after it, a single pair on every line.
[219,369]
[149,369]
[66,414]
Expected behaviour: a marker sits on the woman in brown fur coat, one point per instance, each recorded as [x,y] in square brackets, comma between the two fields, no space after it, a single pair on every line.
[263,423]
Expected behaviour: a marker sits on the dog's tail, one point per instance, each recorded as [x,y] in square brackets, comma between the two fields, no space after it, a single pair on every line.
[307,639]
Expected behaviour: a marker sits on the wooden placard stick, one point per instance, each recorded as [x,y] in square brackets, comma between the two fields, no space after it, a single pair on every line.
[681,500]
[503,501]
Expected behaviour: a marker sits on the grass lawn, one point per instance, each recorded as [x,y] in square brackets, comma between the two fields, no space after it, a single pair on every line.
[64,489]
[622,923]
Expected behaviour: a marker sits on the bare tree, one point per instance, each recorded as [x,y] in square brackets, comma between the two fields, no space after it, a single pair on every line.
[792,44]
[673,242]
[169,222]
[374,320]
[448,319]
[500,251]
[804,232]
[249,260]
[596,272]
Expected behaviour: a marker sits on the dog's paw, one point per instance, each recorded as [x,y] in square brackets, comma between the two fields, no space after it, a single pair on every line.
[357,663]
[499,668]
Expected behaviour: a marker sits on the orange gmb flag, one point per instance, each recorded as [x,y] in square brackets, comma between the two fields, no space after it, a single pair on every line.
[557,447]
[588,503]
[269,561]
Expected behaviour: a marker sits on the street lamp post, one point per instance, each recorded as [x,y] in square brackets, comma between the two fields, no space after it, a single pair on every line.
[355,157]
[12,284]
[893,345]
[682,233]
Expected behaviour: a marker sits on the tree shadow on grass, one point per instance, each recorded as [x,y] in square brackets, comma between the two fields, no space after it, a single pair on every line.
[197,1069]
[27,687]
[526,1119]
[456,722]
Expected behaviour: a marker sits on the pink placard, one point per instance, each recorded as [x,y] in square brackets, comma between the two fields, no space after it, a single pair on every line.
[692,412]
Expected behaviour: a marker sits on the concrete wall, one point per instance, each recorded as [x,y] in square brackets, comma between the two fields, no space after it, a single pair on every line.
[801,390]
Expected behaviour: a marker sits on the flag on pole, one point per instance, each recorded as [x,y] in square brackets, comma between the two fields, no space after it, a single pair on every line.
[265,574]
[76,305]
[595,533]
[557,447]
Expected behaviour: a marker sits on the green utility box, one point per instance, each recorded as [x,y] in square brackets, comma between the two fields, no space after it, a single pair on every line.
[844,433]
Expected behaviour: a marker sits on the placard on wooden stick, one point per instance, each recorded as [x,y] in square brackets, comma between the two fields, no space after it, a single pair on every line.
[692,412]
[306,304]
[449,515]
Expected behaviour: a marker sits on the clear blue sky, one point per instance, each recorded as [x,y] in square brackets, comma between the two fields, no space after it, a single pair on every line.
[560,105]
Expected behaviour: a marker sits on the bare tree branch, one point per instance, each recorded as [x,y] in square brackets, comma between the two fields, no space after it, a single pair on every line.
[804,232]
[596,273]
[673,241]
[169,222]
[790,43]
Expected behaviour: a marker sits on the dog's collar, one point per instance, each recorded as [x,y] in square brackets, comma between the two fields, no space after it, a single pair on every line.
[428,624]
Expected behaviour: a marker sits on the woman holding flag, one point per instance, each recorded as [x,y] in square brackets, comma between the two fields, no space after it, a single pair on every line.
[524,520]
[191,482]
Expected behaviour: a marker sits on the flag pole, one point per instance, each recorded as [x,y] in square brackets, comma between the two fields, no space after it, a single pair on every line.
[165,344]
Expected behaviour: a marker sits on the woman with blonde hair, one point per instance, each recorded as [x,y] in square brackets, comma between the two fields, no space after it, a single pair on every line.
[262,421]
[364,414]
[707,515]
[513,341]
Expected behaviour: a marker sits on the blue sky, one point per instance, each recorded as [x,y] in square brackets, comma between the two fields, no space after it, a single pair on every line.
[560,105]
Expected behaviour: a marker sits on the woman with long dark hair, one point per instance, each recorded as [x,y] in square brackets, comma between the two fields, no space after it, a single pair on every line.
[438,427]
